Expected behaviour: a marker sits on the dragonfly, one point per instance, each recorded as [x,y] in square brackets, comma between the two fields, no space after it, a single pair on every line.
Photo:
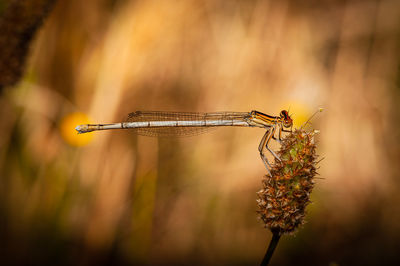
[162,124]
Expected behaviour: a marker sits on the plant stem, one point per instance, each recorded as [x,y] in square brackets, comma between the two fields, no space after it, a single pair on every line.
[272,245]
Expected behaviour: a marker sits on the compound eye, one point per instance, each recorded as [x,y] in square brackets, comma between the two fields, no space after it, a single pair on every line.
[284,114]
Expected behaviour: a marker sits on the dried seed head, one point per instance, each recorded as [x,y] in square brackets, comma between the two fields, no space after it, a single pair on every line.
[286,193]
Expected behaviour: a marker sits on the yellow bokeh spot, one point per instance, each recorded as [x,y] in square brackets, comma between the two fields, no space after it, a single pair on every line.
[300,113]
[68,132]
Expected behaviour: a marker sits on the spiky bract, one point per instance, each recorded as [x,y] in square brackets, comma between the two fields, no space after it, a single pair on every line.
[286,192]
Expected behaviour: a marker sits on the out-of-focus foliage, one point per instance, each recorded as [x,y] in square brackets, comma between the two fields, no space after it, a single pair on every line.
[19,21]
[123,199]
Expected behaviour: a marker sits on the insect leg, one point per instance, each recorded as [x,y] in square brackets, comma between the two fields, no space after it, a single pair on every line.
[267,141]
[279,139]
[261,150]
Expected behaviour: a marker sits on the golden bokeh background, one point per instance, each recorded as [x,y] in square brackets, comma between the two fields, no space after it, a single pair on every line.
[114,198]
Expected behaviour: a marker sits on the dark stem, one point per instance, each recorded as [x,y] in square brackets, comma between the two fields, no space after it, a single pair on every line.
[272,245]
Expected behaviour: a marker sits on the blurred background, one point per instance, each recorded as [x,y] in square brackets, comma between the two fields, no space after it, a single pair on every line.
[114,198]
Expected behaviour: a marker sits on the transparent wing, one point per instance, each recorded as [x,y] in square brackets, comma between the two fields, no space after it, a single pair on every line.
[144,116]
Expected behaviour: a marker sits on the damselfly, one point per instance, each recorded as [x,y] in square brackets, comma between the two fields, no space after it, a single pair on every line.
[185,124]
